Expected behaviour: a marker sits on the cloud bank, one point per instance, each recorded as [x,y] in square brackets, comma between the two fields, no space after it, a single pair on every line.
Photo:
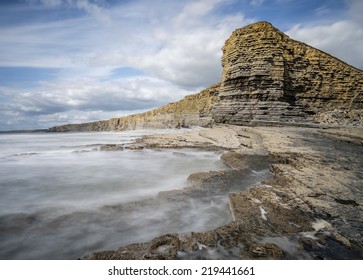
[342,38]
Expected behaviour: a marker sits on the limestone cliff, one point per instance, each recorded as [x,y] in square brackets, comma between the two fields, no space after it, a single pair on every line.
[192,110]
[268,79]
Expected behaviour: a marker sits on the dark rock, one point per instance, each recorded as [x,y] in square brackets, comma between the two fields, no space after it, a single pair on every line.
[266,251]
[134,147]
[111,147]
[309,244]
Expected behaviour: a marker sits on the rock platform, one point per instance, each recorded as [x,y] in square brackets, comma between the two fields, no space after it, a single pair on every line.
[311,208]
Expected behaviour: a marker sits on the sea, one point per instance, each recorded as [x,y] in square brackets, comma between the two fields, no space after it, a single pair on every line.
[62,197]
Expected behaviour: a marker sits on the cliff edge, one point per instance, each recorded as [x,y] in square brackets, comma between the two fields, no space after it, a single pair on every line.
[192,110]
[268,79]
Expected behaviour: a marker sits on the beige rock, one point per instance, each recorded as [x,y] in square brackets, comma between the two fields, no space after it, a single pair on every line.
[313,199]
[193,110]
[268,79]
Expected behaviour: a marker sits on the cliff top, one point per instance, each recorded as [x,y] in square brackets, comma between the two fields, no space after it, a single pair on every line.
[261,25]
[264,28]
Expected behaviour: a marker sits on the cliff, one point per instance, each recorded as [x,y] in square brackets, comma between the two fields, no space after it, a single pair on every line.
[192,110]
[268,79]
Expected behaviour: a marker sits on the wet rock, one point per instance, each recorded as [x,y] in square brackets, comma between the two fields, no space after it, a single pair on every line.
[161,248]
[239,161]
[164,248]
[261,210]
[111,147]
[266,251]
[134,147]
[200,178]
[309,244]
[314,201]
[341,239]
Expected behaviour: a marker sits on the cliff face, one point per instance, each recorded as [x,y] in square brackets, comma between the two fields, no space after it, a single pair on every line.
[192,110]
[267,79]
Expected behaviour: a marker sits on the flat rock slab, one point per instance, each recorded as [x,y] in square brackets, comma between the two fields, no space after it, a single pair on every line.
[312,208]
[220,137]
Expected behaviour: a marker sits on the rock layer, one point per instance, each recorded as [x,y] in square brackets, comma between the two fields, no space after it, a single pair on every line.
[269,78]
[193,110]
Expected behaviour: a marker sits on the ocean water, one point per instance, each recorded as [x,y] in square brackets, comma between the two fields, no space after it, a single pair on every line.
[61,197]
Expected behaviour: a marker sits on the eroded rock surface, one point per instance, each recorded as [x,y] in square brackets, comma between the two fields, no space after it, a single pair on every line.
[312,207]
[193,110]
[269,79]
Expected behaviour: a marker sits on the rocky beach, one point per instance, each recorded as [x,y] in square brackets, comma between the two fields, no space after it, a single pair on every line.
[283,104]
[311,207]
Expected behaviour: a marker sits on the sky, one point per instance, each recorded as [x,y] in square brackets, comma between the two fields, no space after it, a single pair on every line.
[73,61]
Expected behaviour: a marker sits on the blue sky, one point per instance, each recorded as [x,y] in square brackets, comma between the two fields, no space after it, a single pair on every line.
[71,61]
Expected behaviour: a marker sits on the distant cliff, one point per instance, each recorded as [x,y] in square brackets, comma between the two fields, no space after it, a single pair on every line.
[192,110]
[267,79]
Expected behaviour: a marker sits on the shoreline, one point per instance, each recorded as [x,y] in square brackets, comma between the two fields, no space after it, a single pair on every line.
[300,213]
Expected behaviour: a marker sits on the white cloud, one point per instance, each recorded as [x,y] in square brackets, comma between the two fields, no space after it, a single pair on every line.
[92,8]
[87,94]
[72,101]
[190,45]
[343,39]
[176,44]
[193,11]
[183,47]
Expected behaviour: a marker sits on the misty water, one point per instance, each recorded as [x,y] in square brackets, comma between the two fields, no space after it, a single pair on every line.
[61,197]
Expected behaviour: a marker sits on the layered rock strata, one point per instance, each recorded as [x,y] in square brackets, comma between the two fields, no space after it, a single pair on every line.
[193,110]
[268,78]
